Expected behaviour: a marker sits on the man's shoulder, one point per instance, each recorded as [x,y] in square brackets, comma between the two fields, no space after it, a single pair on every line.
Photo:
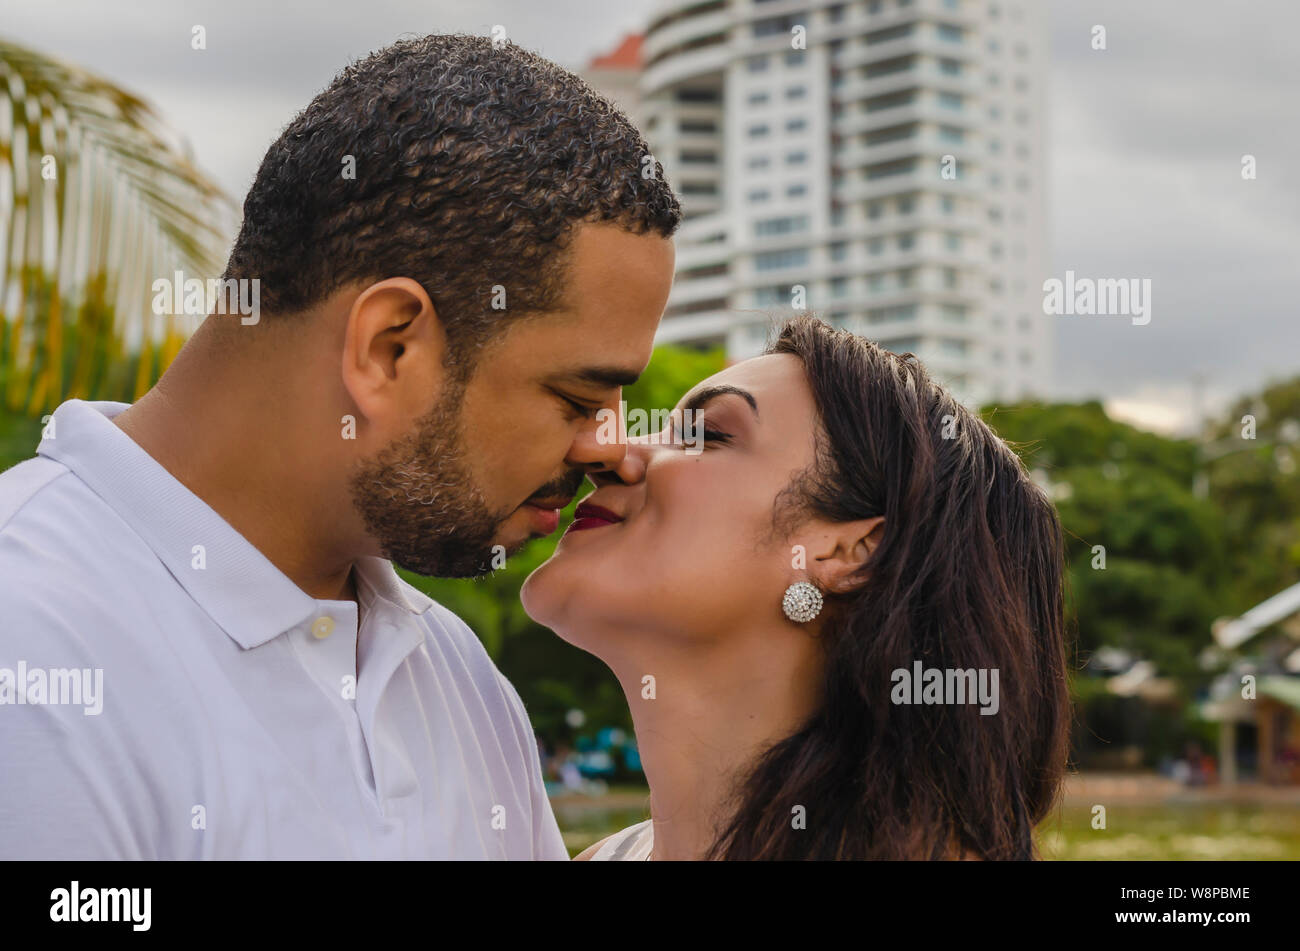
[57,538]
[28,482]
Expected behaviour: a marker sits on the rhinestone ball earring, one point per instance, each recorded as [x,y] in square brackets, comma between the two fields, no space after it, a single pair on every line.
[802,602]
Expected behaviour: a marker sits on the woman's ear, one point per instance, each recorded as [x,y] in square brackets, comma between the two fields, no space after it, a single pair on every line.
[842,551]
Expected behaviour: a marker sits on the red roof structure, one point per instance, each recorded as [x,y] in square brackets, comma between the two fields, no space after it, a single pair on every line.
[626,56]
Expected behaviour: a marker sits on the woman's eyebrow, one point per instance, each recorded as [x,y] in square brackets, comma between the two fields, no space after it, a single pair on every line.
[697,399]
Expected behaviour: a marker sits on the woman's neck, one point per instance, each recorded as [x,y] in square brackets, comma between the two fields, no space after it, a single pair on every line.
[704,719]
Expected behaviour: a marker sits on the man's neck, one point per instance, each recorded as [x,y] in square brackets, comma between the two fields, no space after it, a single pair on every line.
[236,440]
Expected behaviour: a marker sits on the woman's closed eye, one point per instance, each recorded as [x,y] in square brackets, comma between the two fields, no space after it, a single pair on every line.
[699,431]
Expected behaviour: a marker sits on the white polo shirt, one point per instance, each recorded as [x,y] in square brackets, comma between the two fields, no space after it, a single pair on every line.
[236,717]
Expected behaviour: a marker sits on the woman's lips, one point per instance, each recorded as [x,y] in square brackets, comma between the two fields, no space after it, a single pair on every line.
[592,516]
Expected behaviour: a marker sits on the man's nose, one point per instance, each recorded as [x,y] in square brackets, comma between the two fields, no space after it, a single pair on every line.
[601,446]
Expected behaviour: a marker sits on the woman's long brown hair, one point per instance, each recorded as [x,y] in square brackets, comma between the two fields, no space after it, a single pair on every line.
[967,575]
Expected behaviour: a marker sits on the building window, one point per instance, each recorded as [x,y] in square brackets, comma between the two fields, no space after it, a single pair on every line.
[873,209]
[946,204]
[950,67]
[840,287]
[794,58]
[758,131]
[796,158]
[759,195]
[950,100]
[906,242]
[780,260]
[697,127]
[796,92]
[766,227]
[950,133]
[905,206]
[839,251]
[902,345]
[797,190]
[796,125]
[756,64]
[875,245]
[757,162]
[774,25]
[949,34]
[698,95]
[758,98]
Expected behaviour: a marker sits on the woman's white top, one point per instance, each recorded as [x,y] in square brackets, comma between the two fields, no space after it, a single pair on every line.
[632,844]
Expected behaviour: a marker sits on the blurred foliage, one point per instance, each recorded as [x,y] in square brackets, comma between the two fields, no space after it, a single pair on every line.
[1175,560]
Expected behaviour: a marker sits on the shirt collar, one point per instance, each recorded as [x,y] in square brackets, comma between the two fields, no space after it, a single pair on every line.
[238,586]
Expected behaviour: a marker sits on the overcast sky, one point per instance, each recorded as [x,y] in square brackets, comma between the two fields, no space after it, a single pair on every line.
[1145,147]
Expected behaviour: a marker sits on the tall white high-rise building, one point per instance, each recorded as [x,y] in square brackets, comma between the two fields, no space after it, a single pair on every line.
[879,162]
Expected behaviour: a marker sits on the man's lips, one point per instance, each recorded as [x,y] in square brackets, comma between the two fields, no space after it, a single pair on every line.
[592,516]
[545,514]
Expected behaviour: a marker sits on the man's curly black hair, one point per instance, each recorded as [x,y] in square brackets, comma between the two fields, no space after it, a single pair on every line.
[473,163]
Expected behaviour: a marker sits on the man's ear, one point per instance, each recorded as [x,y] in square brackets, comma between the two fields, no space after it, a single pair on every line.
[393,349]
[841,552]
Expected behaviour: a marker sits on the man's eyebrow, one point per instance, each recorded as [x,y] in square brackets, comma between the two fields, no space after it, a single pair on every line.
[608,377]
[702,396]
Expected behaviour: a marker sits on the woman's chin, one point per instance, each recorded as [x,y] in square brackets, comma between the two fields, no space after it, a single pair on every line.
[547,595]
[555,600]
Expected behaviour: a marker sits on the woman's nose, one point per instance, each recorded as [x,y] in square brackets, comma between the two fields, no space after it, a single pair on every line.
[631,469]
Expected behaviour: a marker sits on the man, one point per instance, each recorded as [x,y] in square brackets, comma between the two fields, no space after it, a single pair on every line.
[460,261]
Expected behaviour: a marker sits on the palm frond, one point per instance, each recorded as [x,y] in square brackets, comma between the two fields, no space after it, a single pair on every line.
[79,251]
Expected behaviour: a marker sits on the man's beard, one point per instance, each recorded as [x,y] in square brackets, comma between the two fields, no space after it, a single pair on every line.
[419,501]
[417,497]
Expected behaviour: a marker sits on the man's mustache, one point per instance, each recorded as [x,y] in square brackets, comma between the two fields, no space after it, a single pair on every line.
[565,487]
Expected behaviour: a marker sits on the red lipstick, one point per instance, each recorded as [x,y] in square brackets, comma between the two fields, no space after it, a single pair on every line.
[592,516]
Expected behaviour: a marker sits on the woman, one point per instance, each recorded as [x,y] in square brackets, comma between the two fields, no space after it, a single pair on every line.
[770,727]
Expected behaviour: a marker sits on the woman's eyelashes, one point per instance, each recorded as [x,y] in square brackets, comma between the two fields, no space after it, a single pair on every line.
[699,432]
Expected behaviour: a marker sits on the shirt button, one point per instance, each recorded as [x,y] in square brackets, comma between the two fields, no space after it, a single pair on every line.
[322,628]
